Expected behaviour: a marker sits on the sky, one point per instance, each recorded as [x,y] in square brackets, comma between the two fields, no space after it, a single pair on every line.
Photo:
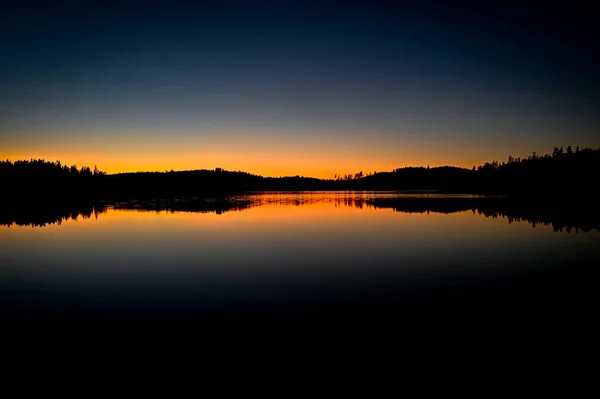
[276,88]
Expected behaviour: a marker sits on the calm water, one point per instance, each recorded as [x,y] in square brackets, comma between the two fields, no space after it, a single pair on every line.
[273,250]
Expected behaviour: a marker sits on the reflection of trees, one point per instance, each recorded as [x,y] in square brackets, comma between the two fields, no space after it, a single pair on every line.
[564,216]
[560,220]
[42,214]
[39,215]
[199,205]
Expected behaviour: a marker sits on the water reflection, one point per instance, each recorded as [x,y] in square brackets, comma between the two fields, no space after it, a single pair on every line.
[561,217]
[40,215]
[279,251]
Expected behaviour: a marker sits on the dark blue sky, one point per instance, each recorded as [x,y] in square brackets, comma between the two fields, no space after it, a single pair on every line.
[271,88]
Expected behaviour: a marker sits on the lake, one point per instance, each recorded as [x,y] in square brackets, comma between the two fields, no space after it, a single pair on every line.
[294,254]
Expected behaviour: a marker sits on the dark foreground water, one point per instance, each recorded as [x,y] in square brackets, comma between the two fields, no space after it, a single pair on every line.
[369,259]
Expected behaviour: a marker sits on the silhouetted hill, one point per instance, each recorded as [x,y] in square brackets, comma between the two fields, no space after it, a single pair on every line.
[443,179]
[563,173]
[174,184]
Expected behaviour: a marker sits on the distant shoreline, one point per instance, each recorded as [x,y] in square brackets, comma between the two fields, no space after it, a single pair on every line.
[564,174]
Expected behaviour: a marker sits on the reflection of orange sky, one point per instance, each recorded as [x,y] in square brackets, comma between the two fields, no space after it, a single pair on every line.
[307,216]
[335,218]
[314,158]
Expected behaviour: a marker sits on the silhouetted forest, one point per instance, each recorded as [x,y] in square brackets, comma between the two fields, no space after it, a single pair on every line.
[564,171]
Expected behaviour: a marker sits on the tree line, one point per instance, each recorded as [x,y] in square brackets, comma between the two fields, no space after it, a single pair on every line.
[564,171]
[34,168]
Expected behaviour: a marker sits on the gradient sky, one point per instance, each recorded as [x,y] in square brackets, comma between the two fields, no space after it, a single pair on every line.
[283,90]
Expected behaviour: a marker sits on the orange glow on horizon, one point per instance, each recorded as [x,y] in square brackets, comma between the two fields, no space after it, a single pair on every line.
[267,165]
[310,158]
